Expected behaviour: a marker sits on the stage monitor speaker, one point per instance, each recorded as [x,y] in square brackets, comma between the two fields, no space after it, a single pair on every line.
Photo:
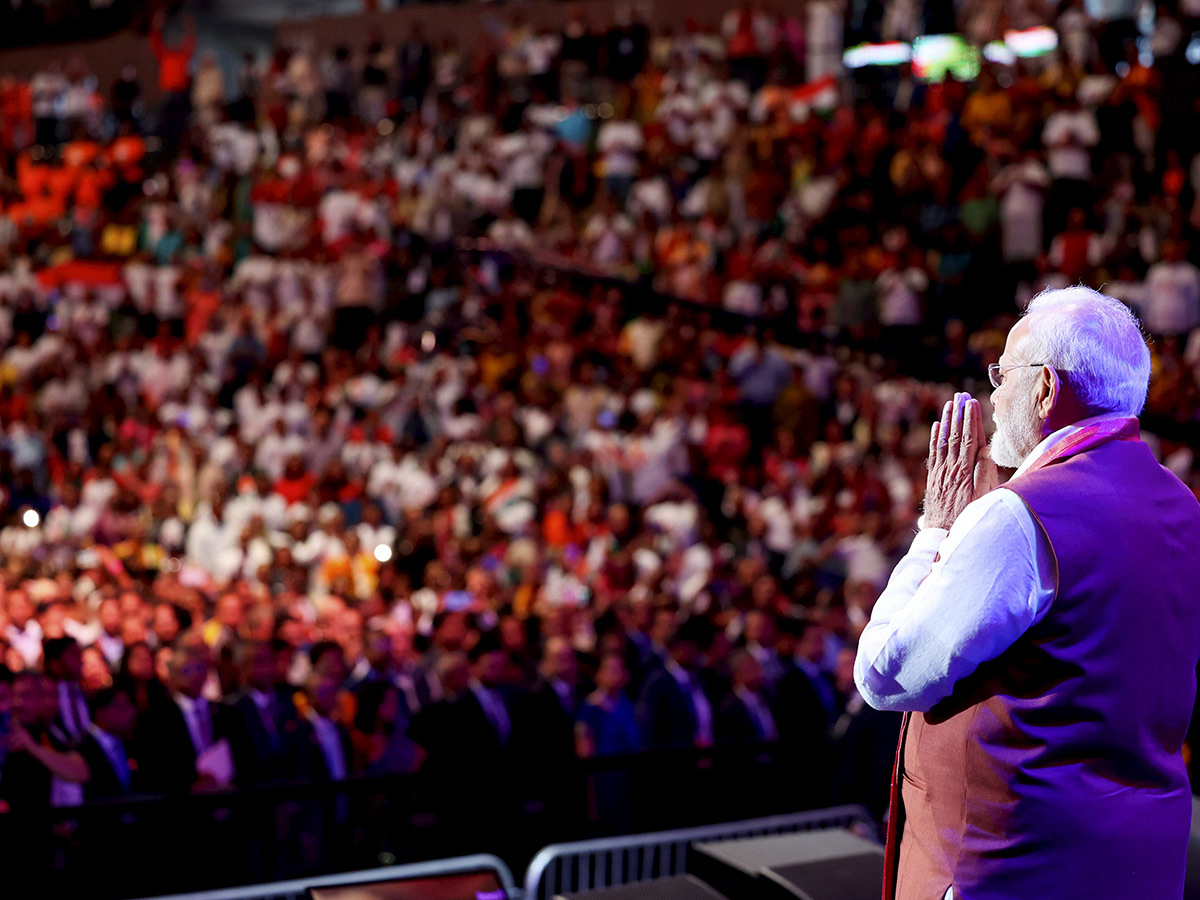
[684,887]
[816,865]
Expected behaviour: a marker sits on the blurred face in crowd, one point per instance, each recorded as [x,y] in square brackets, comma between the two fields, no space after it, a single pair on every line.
[68,666]
[133,631]
[110,617]
[162,663]
[119,717]
[452,632]
[455,672]
[760,629]
[664,627]
[489,668]
[513,635]
[141,662]
[812,644]
[283,663]
[402,646]
[747,672]
[1018,426]
[611,677]
[377,646]
[389,710]
[20,609]
[131,605]
[332,664]
[685,653]
[52,619]
[843,672]
[559,662]
[258,669]
[323,693]
[229,610]
[29,706]
[190,667]
[166,623]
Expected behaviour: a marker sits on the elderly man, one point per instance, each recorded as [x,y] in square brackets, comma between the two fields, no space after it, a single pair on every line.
[1043,637]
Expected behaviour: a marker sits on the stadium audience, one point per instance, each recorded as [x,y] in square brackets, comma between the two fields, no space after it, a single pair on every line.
[335,439]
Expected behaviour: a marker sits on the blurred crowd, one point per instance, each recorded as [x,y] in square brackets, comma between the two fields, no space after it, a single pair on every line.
[297,484]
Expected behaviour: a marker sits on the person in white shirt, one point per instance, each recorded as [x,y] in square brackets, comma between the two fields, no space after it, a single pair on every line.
[23,633]
[1022,188]
[619,141]
[1069,134]
[1171,300]
[985,577]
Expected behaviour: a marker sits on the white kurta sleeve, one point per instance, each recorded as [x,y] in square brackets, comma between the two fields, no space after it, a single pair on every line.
[956,600]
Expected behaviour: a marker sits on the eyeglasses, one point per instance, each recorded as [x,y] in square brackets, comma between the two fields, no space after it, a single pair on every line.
[996,371]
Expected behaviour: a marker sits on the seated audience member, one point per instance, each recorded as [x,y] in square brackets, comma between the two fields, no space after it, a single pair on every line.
[105,748]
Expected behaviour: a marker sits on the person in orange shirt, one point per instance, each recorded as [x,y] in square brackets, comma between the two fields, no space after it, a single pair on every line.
[174,61]
[174,80]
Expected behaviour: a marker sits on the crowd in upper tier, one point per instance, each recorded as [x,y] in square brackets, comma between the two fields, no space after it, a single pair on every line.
[313,438]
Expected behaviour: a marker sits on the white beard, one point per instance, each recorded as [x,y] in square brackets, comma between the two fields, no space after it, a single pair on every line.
[1017,436]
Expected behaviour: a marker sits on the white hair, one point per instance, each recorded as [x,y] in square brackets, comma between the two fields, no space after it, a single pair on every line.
[1095,343]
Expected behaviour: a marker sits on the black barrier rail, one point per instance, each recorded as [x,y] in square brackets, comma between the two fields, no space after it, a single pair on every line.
[156,845]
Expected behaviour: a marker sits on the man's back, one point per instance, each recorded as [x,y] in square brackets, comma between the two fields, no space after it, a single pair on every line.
[1055,769]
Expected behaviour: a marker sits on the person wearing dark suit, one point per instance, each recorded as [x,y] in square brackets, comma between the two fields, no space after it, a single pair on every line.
[376,661]
[177,730]
[745,716]
[468,736]
[255,718]
[864,742]
[113,775]
[62,660]
[546,715]
[388,656]
[806,703]
[105,747]
[40,759]
[486,707]
[674,710]
[321,749]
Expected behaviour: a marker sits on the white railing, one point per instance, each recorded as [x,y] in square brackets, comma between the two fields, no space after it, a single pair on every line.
[608,862]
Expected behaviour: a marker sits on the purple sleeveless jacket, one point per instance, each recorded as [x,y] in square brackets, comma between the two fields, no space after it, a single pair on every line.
[1054,771]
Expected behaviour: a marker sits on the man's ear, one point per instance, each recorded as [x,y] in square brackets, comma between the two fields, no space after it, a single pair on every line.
[1049,387]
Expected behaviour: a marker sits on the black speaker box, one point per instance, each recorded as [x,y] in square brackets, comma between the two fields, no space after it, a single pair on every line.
[685,887]
[817,865]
